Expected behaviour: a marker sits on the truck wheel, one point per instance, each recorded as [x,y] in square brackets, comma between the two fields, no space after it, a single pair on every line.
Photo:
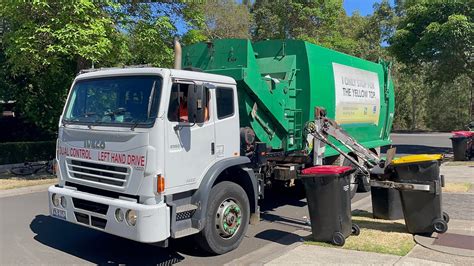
[227,219]
[353,185]
[363,182]
[352,178]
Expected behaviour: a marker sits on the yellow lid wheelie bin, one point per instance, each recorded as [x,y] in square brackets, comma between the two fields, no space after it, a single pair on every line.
[421,195]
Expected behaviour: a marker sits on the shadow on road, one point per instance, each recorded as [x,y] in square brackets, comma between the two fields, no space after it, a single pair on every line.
[278,197]
[98,247]
[418,149]
[278,236]
[295,222]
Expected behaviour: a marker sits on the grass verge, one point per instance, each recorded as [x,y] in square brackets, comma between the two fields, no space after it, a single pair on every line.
[11,183]
[380,236]
[456,187]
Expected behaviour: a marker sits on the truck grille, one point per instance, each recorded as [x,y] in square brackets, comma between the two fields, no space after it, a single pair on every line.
[94,221]
[90,206]
[98,173]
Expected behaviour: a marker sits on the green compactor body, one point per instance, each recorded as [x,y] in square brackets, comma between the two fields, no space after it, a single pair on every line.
[280,82]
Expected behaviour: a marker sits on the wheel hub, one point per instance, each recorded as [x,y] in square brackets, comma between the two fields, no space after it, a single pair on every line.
[352,181]
[228,218]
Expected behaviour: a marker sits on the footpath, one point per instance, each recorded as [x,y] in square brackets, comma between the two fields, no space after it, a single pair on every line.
[455,247]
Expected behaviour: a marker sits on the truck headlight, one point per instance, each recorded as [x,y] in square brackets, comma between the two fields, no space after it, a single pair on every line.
[119,216]
[131,217]
[56,199]
[63,202]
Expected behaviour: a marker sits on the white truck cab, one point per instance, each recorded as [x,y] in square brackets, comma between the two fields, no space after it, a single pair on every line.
[151,153]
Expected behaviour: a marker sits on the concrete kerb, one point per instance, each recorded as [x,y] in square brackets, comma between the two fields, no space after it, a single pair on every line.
[460,227]
[317,255]
[408,260]
[320,255]
[286,244]
[273,250]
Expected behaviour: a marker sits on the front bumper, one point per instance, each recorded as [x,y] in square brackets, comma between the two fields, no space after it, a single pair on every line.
[153,221]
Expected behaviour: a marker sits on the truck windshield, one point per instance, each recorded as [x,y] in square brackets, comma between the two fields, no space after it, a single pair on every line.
[115,101]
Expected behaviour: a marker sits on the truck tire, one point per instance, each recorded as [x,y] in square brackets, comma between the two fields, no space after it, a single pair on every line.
[363,183]
[352,178]
[364,180]
[227,219]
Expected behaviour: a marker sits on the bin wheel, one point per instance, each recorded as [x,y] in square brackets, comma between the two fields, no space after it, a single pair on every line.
[445,217]
[338,239]
[355,229]
[440,226]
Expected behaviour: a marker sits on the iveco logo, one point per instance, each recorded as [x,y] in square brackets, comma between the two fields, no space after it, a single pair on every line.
[94,144]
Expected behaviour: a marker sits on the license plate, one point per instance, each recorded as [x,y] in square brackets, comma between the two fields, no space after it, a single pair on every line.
[60,214]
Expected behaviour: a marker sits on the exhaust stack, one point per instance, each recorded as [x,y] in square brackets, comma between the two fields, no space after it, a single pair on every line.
[177,53]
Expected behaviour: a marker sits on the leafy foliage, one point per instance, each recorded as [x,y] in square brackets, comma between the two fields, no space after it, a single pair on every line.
[44,44]
[434,39]
[437,32]
[223,19]
[47,42]
[150,42]
[313,21]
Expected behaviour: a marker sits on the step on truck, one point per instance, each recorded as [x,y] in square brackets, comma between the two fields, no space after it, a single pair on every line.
[151,154]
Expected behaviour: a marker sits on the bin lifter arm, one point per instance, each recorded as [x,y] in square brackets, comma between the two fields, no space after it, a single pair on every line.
[322,127]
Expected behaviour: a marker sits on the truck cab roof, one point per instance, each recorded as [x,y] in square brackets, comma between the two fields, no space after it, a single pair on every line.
[174,73]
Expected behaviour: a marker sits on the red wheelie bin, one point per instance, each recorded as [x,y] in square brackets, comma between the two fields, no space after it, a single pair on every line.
[329,202]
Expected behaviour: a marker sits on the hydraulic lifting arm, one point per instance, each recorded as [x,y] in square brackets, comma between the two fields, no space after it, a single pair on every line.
[322,127]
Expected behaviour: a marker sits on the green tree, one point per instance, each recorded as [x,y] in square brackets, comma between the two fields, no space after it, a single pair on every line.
[448,104]
[150,42]
[411,97]
[46,43]
[314,21]
[434,39]
[371,31]
[210,20]
[437,32]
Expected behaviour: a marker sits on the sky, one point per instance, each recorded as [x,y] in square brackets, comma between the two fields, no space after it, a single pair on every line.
[365,7]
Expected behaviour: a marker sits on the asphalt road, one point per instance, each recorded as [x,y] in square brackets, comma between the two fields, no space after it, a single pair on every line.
[417,143]
[29,236]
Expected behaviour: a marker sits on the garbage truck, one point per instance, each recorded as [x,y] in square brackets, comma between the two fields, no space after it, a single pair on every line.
[151,154]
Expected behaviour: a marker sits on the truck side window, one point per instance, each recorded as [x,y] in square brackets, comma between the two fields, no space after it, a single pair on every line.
[225,102]
[178,106]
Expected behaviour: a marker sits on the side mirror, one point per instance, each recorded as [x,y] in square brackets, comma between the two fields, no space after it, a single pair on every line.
[197,102]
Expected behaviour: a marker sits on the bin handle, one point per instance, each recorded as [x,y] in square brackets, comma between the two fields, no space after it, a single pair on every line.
[400,186]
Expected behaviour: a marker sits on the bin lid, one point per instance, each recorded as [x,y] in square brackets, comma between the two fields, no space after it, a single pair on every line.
[417,158]
[326,170]
[463,133]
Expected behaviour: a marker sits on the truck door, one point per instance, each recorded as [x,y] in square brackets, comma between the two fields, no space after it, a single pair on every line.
[226,120]
[190,149]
